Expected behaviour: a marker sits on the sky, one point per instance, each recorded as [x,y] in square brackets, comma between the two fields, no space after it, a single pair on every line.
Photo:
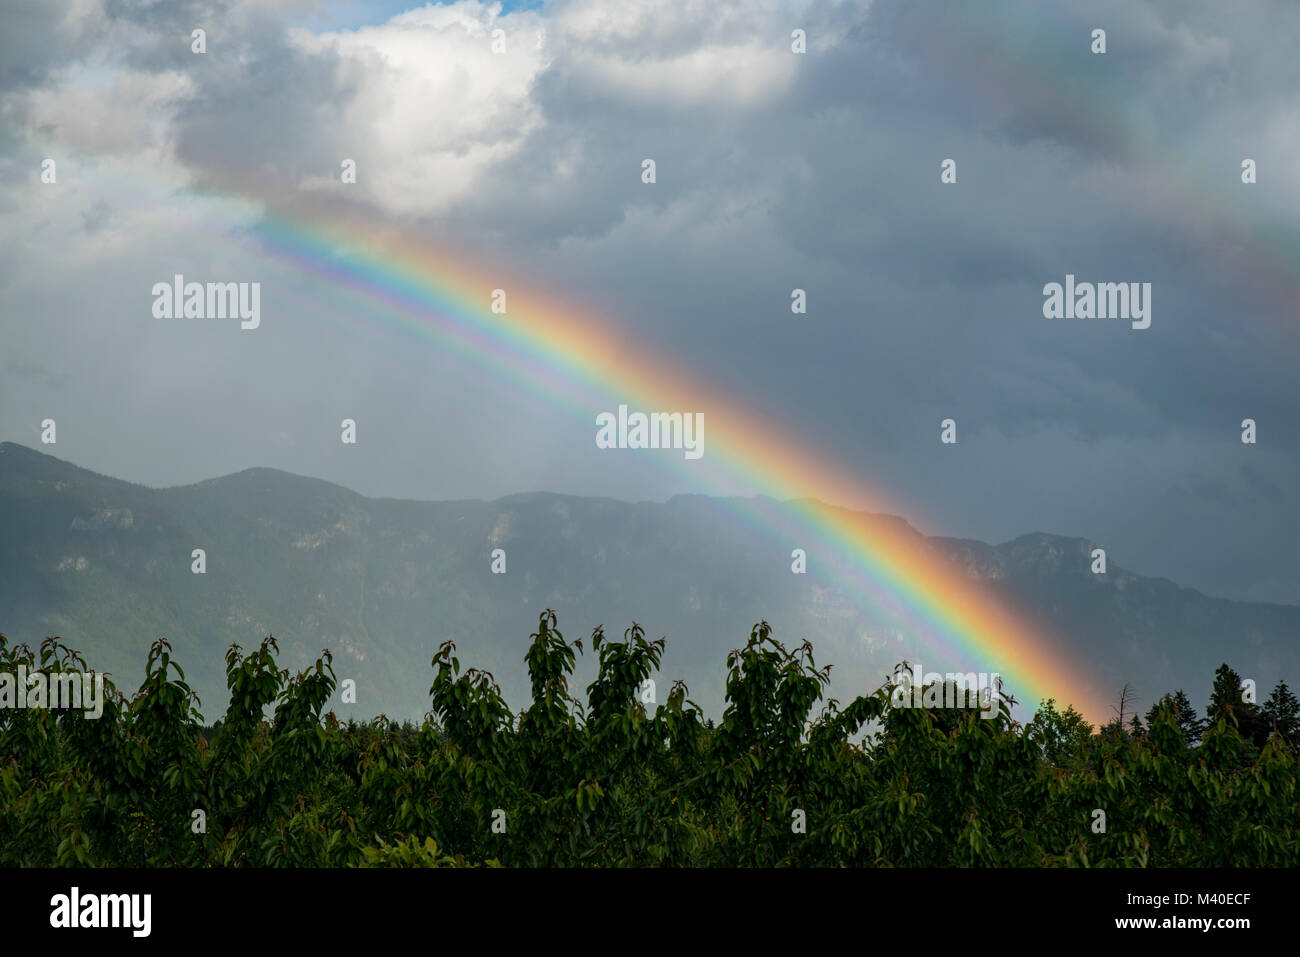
[775,170]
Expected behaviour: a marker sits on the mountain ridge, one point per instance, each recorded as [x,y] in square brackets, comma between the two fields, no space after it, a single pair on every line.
[105,563]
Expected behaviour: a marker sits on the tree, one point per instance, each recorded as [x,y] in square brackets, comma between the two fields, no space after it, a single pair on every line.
[1226,703]
[1127,700]
[623,780]
[1060,734]
[1225,694]
[1135,726]
[1188,722]
[1123,707]
[1281,712]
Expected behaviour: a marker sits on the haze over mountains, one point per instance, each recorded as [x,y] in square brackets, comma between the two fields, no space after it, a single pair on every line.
[106,565]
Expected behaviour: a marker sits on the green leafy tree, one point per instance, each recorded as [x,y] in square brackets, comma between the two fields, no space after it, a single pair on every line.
[786,778]
[1062,735]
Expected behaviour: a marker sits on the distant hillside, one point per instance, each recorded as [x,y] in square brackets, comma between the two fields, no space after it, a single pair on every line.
[380,582]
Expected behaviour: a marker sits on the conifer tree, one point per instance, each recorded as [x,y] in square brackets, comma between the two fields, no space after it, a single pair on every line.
[1281,712]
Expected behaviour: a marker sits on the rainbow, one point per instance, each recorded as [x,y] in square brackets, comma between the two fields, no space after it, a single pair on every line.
[568,355]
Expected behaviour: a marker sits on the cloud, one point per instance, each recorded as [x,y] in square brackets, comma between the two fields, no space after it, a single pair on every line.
[430,105]
[99,111]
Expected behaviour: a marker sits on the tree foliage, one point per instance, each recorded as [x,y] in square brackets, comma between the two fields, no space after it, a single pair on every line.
[785,778]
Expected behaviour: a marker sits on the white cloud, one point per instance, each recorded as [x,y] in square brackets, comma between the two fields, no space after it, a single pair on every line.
[100,110]
[433,104]
[748,74]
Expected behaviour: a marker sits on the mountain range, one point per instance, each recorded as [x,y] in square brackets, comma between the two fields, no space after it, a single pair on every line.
[106,565]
